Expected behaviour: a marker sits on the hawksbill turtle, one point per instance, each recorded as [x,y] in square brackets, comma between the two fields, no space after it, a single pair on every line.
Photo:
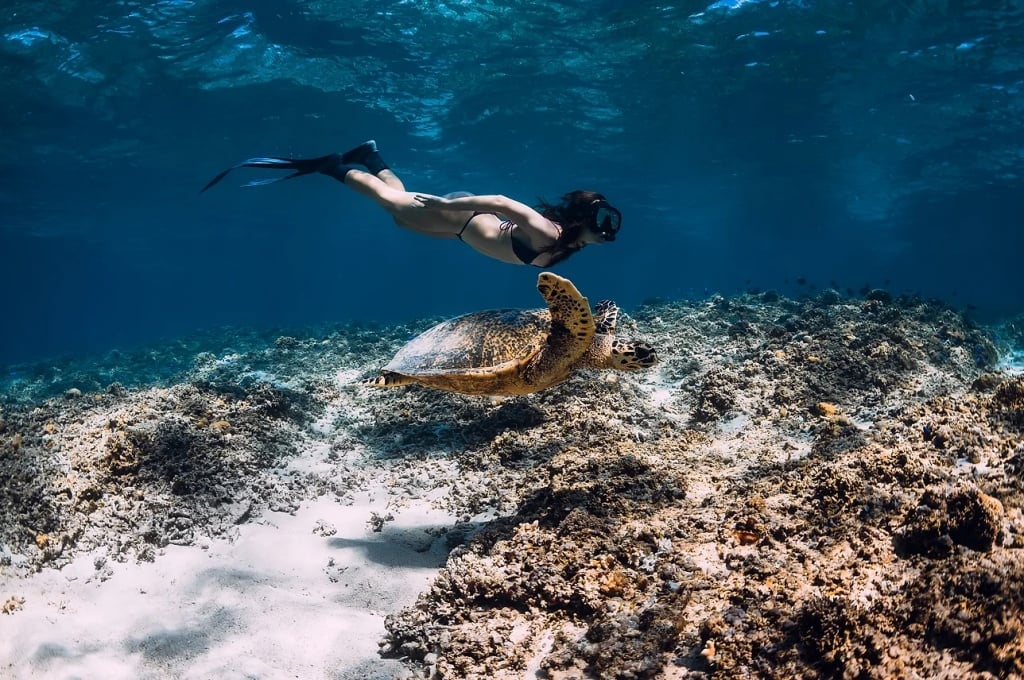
[513,351]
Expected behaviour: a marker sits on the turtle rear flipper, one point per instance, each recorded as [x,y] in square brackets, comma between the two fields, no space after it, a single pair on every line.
[388,379]
[501,379]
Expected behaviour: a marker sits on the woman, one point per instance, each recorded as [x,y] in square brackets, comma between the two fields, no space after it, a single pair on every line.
[496,226]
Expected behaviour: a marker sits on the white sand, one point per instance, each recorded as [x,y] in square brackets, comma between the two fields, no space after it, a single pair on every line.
[263,606]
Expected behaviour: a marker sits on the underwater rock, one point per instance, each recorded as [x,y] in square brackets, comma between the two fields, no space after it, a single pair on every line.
[948,516]
[829,297]
[879,295]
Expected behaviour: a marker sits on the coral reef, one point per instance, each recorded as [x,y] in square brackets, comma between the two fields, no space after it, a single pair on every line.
[824,487]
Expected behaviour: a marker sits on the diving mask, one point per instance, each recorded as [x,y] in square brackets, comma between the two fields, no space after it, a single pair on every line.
[607,220]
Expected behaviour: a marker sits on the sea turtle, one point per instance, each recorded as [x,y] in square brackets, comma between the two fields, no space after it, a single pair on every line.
[513,351]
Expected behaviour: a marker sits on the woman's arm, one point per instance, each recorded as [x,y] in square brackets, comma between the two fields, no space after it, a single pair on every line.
[531,222]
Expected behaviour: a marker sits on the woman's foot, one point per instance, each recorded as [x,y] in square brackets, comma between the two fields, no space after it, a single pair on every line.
[366,155]
[359,153]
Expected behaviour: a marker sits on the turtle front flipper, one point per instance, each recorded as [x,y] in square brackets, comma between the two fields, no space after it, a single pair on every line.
[570,335]
[570,316]
[388,379]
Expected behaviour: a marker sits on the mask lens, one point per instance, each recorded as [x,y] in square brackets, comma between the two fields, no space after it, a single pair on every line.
[607,221]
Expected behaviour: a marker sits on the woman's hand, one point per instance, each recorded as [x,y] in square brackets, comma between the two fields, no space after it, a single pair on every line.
[429,201]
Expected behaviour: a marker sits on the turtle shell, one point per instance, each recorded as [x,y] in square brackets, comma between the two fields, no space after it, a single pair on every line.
[474,341]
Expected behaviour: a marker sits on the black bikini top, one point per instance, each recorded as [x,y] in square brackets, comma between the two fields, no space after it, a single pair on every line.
[520,246]
[524,251]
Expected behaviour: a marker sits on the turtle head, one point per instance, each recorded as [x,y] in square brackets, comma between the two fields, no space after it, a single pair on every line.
[631,355]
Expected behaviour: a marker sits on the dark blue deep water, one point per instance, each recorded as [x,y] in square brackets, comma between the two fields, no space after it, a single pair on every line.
[750,145]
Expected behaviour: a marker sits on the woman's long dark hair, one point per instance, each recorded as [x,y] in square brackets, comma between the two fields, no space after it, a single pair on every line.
[573,214]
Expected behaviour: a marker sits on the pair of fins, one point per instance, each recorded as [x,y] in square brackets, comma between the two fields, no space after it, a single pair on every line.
[301,166]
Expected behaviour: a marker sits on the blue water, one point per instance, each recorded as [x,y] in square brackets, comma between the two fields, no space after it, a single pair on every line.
[749,145]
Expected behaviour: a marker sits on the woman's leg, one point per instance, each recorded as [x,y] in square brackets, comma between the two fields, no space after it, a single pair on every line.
[401,204]
[377,189]
[380,185]
[389,177]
